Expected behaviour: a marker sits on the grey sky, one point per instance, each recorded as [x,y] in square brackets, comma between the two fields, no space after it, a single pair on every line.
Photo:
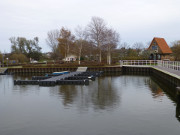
[135,20]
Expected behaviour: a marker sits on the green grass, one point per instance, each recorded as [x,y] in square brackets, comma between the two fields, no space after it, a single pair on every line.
[13,67]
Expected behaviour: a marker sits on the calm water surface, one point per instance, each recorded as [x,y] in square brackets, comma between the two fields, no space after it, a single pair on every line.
[111,105]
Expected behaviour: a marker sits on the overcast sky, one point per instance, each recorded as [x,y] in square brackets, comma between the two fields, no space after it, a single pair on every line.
[135,20]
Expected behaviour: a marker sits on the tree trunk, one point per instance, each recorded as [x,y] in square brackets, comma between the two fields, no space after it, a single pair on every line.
[68,50]
[109,57]
[100,55]
[79,60]
[80,50]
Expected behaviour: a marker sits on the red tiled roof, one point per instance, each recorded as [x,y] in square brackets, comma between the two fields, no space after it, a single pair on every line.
[162,45]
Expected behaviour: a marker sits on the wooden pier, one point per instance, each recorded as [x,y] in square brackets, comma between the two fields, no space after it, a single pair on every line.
[54,80]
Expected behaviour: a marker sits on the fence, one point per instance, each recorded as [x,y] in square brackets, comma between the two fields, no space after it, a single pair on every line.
[175,65]
[139,62]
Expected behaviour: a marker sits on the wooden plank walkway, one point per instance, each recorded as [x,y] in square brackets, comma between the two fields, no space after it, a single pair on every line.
[171,72]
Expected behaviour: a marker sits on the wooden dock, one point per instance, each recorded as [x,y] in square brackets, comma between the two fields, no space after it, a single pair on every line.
[53,80]
[74,78]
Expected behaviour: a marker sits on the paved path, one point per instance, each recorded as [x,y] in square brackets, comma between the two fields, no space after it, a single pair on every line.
[175,73]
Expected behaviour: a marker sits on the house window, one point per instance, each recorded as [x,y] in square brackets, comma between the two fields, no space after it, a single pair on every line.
[154,43]
[154,47]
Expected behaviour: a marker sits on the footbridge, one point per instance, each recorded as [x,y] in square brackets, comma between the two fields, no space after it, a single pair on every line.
[168,70]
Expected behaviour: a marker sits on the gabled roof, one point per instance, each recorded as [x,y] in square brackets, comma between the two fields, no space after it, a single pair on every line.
[162,45]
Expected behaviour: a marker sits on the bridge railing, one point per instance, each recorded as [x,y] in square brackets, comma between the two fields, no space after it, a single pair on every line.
[175,65]
[139,62]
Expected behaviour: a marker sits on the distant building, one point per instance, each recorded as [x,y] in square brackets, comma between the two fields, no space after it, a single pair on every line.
[159,49]
[48,54]
[70,58]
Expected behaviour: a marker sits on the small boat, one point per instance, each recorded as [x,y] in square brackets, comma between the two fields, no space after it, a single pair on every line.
[57,73]
[60,73]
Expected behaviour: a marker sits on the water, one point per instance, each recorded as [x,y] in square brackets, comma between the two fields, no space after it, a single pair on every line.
[111,105]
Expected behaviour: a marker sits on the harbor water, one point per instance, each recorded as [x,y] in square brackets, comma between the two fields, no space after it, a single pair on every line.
[110,105]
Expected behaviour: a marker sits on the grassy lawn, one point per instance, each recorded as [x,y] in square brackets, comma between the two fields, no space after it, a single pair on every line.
[13,67]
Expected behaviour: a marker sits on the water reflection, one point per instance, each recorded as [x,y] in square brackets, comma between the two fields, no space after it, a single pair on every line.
[68,92]
[100,94]
[26,76]
[109,105]
[104,94]
[156,90]
[159,88]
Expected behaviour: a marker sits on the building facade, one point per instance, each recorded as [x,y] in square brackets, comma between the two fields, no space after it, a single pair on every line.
[159,49]
[70,58]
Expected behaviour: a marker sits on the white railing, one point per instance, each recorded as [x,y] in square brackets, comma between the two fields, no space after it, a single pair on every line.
[175,65]
[139,62]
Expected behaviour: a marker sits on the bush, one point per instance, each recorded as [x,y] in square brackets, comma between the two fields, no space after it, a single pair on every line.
[19,57]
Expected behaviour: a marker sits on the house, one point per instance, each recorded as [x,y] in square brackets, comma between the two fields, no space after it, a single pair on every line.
[159,49]
[70,58]
[48,54]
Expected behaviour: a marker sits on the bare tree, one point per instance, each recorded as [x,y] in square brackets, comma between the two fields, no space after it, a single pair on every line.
[81,36]
[124,45]
[65,40]
[96,29]
[112,39]
[52,41]
[123,50]
[139,46]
